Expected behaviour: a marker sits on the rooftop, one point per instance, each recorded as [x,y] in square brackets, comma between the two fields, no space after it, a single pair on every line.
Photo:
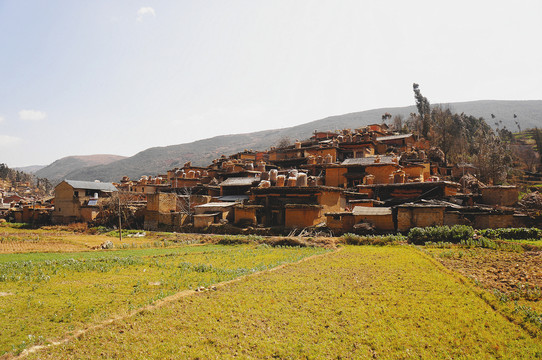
[364,210]
[294,190]
[370,160]
[216,205]
[91,185]
[240,181]
[393,137]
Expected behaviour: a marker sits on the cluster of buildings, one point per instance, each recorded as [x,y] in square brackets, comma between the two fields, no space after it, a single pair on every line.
[369,179]
[21,202]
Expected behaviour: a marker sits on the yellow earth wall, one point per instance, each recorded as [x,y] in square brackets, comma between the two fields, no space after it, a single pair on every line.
[331,201]
[408,218]
[162,202]
[380,222]
[335,176]
[500,196]
[381,173]
[302,217]
[494,221]
[340,223]
[243,214]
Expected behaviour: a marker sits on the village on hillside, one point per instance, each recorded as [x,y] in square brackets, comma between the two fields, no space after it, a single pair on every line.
[376,179]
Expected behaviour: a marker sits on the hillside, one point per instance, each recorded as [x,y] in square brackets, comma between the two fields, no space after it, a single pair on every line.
[159,159]
[30,169]
[60,168]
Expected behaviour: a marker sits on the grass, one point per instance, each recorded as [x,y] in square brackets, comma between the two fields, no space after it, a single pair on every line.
[16,238]
[536,242]
[49,295]
[386,302]
[511,276]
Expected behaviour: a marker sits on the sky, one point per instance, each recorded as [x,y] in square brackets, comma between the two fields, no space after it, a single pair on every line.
[118,77]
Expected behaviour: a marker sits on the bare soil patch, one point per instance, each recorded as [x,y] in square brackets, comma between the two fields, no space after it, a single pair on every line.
[505,271]
[40,246]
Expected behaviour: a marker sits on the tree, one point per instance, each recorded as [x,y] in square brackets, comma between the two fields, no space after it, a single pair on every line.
[424,110]
[398,122]
[115,206]
[284,142]
[493,158]
[186,201]
[447,131]
[386,116]
[537,136]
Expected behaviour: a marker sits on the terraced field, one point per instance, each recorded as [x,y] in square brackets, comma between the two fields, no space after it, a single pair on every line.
[47,296]
[391,302]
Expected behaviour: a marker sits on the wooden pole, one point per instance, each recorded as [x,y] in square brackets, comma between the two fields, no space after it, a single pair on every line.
[120,223]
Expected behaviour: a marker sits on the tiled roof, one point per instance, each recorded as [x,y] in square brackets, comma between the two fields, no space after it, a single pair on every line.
[240,181]
[365,210]
[216,205]
[91,185]
[393,137]
[370,160]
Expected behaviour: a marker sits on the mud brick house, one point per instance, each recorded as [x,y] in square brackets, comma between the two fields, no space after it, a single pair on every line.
[213,213]
[379,218]
[188,176]
[416,172]
[459,170]
[247,214]
[360,146]
[298,206]
[500,195]
[237,188]
[419,215]
[304,153]
[402,143]
[409,191]
[170,211]
[145,185]
[438,212]
[79,200]
[247,155]
[33,214]
[356,171]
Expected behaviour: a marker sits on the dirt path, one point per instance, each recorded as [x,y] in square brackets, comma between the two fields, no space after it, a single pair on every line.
[157,304]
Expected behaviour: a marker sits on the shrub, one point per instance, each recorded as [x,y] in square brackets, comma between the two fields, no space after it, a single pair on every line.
[454,234]
[350,239]
[233,240]
[512,233]
[353,239]
[78,227]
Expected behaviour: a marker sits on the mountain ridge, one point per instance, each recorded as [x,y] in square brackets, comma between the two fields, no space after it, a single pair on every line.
[61,167]
[156,160]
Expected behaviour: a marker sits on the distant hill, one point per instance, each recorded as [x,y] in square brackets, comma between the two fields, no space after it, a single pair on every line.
[158,160]
[30,169]
[60,168]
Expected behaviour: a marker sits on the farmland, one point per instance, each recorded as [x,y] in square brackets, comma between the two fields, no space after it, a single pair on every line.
[386,302]
[47,295]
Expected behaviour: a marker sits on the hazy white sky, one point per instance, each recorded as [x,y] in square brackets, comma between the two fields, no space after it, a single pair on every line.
[90,77]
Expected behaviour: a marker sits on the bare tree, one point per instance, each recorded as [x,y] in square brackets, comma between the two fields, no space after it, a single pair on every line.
[493,158]
[116,210]
[386,116]
[398,123]
[284,142]
[185,204]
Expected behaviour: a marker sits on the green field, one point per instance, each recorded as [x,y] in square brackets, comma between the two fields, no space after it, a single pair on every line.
[46,296]
[390,302]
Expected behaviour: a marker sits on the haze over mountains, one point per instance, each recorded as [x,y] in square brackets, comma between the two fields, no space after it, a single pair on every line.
[158,160]
[62,167]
